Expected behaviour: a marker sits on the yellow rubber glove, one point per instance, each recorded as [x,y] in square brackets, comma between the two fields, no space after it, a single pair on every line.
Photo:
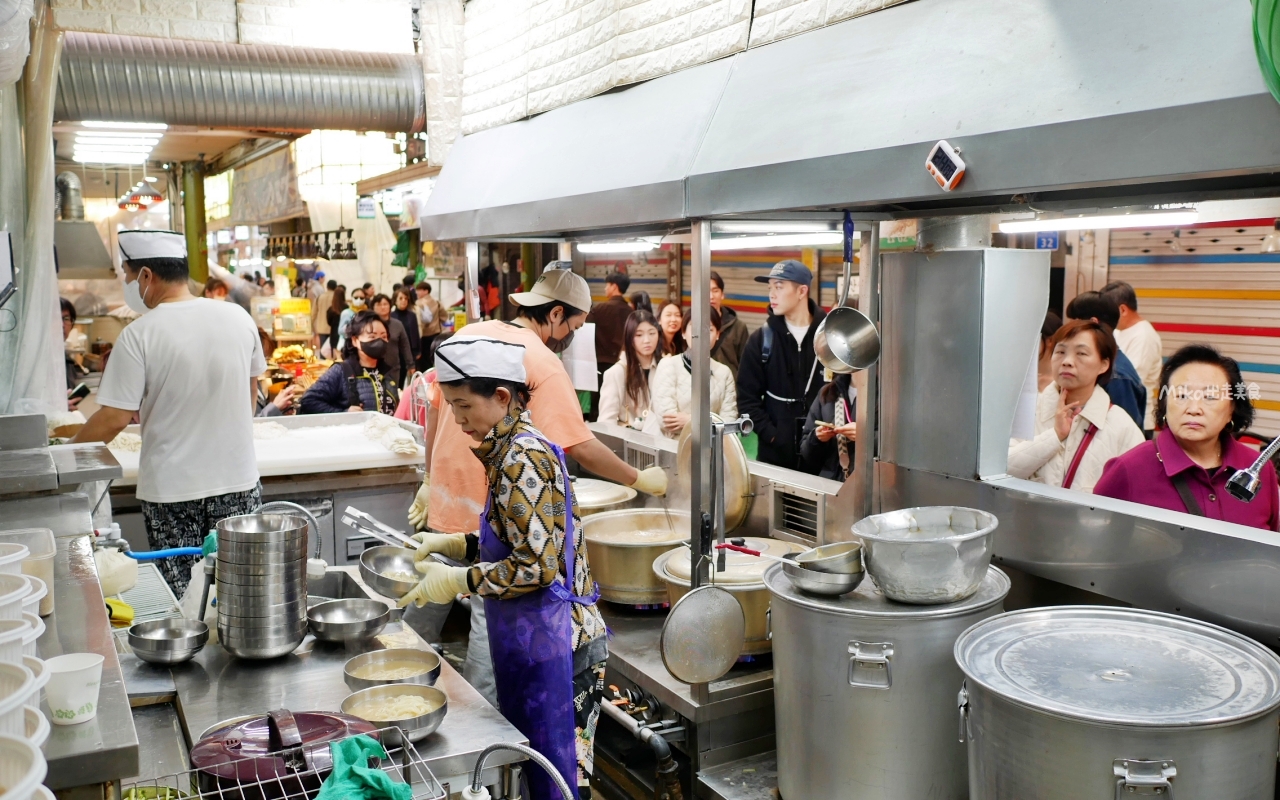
[651,481]
[453,545]
[439,584]
[421,501]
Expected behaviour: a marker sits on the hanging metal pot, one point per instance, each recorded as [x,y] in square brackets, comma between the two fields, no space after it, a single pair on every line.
[846,341]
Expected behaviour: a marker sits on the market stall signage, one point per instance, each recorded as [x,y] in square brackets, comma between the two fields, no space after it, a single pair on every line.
[366,208]
[1047,240]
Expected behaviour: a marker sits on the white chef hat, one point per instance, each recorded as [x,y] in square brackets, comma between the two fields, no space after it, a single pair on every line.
[478,357]
[142,245]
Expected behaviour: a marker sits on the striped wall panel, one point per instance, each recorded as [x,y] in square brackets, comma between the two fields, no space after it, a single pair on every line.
[648,274]
[1211,285]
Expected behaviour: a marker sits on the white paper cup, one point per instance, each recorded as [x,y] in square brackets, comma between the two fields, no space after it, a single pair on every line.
[13,589]
[37,726]
[12,634]
[31,642]
[22,768]
[40,674]
[31,603]
[15,687]
[12,555]
[72,690]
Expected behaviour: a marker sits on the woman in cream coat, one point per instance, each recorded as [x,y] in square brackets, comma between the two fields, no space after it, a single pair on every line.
[673,386]
[1078,430]
[625,389]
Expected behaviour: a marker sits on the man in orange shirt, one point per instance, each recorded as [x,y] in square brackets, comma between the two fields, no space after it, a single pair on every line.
[452,497]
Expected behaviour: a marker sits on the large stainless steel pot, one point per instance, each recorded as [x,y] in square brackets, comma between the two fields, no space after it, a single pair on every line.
[864,692]
[1089,701]
[262,584]
[622,546]
[743,578]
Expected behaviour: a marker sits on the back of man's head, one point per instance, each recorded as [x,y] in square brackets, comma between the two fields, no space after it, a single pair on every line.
[1094,305]
[620,280]
[331,285]
[1122,294]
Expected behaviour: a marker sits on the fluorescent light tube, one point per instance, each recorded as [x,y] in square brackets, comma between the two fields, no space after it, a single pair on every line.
[772,226]
[616,247]
[109,158]
[1110,221]
[141,126]
[778,240]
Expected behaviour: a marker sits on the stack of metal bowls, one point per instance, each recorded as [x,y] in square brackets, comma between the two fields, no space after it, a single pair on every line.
[262,584]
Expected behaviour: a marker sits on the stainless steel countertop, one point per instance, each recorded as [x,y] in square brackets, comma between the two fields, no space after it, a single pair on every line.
[105,748]
[27,471]
[751,778]
[81,463]
[634,653]
[214,687]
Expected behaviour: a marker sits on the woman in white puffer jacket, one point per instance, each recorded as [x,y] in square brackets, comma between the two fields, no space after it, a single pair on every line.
[673,386]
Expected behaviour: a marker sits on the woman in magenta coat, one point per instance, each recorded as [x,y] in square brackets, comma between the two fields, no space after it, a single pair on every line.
[1203,405]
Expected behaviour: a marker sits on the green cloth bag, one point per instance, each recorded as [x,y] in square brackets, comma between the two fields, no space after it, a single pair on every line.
[352,777]
[1266,41]
[751,444]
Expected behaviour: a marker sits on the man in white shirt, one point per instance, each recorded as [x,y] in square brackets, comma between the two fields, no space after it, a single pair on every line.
[187,368]
[1139,341]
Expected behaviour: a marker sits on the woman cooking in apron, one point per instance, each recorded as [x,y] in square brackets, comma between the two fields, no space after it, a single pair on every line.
[546,635]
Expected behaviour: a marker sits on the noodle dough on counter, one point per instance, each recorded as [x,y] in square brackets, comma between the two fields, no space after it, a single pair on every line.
[127,442]
[384,430]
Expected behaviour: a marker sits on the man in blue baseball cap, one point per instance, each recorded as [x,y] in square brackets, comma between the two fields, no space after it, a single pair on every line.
[780,376]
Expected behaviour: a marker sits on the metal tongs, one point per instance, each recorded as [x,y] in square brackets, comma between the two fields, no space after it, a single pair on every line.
[374,528]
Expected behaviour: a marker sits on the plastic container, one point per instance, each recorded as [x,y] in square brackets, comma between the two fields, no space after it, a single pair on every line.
[12,634]
[116,572]
[43,792]
[22,768]
[31,603]
[12,554]
[31,641]
[40,674]
[37,726]
[13,590]
[73,686]
[15,687]
[41,543]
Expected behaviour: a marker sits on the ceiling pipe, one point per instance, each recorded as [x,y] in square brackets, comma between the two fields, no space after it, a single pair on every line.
[261,87]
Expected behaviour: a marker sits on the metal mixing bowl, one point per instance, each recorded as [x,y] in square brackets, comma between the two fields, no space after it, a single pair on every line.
[415,728]
[839,558]
[349,620]
[376,561]
[827,584]
[929,555]
[168,641]
[429,660]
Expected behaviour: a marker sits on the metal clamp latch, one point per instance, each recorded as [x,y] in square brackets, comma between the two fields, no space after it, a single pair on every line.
[962,702]
[869,664]
[1138,778]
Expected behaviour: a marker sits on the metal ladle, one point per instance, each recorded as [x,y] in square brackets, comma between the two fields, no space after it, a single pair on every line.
[846,341]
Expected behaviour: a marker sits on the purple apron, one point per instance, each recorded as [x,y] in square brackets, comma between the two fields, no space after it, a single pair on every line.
[531,641]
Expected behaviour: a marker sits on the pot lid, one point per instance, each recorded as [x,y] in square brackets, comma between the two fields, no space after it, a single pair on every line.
[739,568]
[703,635]
[592,493]
[278,744]
[738,491]
[868,601]
[637,527]
[1121,666]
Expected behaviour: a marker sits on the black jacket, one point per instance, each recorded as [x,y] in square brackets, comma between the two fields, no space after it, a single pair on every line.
[399,357]
[774,394]
[409,320]
[818,457]
[330,394]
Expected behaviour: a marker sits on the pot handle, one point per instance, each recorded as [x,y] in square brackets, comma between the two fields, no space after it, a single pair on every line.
[1139,778]
[768,623]
[869,664]
[283,737]
[962,702]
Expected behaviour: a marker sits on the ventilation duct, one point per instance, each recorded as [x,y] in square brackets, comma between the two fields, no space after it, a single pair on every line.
[139,79]
[68,198]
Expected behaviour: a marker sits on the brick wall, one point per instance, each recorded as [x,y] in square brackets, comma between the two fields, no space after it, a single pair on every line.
[204,20]
[778,19]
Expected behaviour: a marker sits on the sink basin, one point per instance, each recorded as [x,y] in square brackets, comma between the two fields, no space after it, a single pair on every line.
[337,585]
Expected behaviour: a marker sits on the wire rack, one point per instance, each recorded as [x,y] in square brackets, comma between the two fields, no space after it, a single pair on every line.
[308,766]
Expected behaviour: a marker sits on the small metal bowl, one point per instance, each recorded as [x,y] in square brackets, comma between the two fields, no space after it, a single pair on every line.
[827,584]
[349,620]
[168,641]
[415,729]
[429,660]
[377,562]
[839,558]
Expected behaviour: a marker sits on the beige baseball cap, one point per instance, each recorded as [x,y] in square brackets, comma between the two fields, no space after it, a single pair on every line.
[556,284]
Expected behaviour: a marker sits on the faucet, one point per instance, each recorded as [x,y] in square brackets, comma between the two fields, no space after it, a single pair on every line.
[476,790]
[1244,484]
[280,505]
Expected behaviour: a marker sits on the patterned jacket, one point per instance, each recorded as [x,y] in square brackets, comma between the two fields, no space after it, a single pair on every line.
[527,513]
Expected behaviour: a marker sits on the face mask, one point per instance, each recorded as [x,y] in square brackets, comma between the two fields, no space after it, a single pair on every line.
[133,298]
[561,344]
[356,302]
[374,349]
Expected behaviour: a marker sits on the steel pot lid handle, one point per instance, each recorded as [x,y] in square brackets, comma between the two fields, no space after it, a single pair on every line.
[284,739]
